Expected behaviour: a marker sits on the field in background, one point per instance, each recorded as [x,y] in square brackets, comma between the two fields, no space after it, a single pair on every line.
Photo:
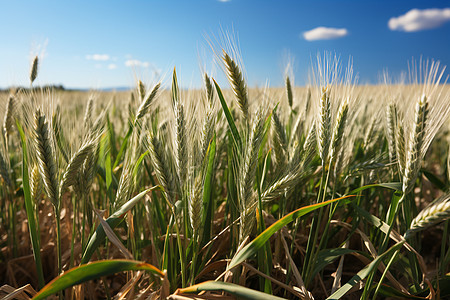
[333,190]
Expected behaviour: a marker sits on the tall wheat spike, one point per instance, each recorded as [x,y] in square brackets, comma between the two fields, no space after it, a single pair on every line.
[391,126]
[141,90]
[8,122]
[34,69]
[87,121]
[289,91]
[324,126]
[237,84]
[338,131]
[46,158]
[413,158]
[209,90]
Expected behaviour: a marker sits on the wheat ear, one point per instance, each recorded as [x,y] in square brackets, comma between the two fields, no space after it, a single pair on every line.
[279,141]
[209,90]
[35,183]
[87,121]
[74,166]
[289,92]
[46,158]
[4,171]
[237,83]
[338,131]
[435,212]
[324,125]
[147,101]
[8,122]
[141,90]
[160,165]
[400,147]
[417,134]
[196,204]
[391,120]
[34,69]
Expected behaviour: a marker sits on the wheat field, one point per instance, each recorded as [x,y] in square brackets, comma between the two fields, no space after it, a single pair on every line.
[334,190]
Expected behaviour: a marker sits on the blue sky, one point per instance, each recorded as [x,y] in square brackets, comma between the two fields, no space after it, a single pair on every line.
[99,44]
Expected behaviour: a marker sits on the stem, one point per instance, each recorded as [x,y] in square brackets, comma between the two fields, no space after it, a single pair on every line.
[72,242]
[58,239]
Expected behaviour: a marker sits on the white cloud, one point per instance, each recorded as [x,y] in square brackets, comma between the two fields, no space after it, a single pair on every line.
[112,66]
[416,19]
[224,0]
[98,57]
[324,33]
[136,63]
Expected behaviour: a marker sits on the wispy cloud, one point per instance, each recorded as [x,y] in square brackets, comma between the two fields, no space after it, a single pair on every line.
[324,33]
[417,19]
[112,66]
[98,57]
[136,63]
[224,0]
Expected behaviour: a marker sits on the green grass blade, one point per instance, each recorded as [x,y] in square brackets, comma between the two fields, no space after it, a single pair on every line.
[34,233]
[138,163]
[397,186]
[233,128]
[91,271]
[123,147]
[363,273]
[234,289]
[260,240]
[327,256]
[207,187]
[113,221]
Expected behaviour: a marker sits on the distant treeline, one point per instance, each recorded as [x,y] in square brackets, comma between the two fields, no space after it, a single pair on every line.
[53,87]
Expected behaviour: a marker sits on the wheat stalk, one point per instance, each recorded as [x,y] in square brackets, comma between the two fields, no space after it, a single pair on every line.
[248,175]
